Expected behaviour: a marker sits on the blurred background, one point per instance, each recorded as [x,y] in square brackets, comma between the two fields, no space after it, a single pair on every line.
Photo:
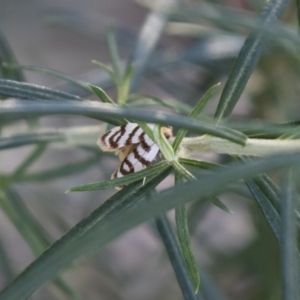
[196,47]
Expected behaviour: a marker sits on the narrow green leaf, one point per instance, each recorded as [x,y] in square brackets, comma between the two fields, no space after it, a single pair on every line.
[217,202]
[7,55]
[106,68]
[266,207]
[33,156]
[265,186]
[32,232]
[298,11]
[141,100]
[271,184]
[5,263]
[175,256]
[185,239]
[18,109]
[148,172]
[206,166]
[182,170]
[114,56]
[198,163]
[235,19]
[185,244]
[49,72]
[148,39]
[101,94]
[83,137]
[59,172]
[289,255]
[268,188]
[264,130]
[23,90]
[123,87]
[163,144]
[24,221]
[168,152]
[128,74]
[28,139]
[194,113]
[248,58]
[146,187]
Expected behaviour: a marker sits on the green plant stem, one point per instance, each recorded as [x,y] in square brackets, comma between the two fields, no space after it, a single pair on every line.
[253,147]
[195,145]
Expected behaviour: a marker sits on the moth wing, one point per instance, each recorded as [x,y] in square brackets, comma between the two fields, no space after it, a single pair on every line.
[151,155]
[147,149]
[136,160]
[120,137]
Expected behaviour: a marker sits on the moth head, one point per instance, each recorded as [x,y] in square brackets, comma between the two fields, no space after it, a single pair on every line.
[167,131]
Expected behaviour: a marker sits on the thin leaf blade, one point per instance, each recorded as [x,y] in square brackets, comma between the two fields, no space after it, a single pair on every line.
[247,59]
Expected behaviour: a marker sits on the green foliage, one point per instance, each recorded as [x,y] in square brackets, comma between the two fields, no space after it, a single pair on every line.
[198,182]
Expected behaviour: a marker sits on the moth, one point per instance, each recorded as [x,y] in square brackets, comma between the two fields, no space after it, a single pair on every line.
[133,146]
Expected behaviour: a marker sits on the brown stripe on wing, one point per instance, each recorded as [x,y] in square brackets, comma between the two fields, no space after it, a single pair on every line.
[131,135]
[112,142]
[140,158]
[122,130]
[143,143]
[114,136]
[122,169]
[101,141]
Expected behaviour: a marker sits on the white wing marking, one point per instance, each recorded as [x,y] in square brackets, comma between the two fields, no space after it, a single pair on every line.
[119,137]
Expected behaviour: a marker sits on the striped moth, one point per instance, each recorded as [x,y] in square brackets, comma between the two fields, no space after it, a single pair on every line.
[134,147]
